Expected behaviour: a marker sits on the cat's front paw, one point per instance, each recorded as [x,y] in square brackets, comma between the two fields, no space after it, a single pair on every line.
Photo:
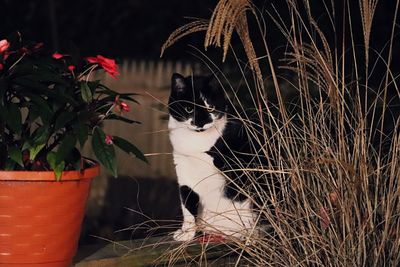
[184,235]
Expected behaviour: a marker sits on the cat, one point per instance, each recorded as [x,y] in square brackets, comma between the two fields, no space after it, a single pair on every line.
[209,147]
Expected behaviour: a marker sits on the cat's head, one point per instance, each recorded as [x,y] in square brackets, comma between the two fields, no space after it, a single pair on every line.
[197,102]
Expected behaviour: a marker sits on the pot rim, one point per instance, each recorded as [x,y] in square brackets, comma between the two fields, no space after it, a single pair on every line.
[88,173]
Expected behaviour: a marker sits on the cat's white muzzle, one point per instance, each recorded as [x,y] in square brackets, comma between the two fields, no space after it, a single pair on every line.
[197,128]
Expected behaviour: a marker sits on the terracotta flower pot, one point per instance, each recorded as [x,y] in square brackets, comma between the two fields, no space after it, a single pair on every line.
[40,218]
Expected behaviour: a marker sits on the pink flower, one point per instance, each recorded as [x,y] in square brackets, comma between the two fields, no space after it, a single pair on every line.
[107,64]
[4,45]
[121,106]
[58,55]
[124,107]
[37,46]
[71,68]
[24,50]
[109,139]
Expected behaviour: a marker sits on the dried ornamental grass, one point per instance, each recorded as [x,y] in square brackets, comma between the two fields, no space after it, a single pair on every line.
[335,160]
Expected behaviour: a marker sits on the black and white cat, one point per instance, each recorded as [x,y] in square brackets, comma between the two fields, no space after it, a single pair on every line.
[205,139]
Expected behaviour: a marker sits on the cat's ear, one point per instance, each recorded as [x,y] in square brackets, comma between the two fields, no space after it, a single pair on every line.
[178,83]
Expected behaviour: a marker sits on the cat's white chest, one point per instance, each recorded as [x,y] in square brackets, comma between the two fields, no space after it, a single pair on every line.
[194,167]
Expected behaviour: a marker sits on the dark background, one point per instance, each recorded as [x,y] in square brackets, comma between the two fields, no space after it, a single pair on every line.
[137,28]
[126,28]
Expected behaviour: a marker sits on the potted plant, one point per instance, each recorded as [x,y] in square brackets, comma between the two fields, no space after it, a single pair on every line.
[49,108]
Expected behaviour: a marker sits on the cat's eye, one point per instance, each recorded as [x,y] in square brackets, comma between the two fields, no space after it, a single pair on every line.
[189,109]
[210,109]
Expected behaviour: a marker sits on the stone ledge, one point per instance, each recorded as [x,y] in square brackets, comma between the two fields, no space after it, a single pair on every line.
[156,251]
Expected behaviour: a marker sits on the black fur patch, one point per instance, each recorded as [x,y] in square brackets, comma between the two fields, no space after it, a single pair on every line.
[190,199]
[232,154]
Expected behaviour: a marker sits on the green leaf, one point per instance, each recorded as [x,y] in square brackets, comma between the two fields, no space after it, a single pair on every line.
[33,151]
[58,168]
[83,116]
[104,153]
[30,86]
[107,91]
[63,119]
[82,133]
[86,93]
[93,84]
[65,95]
[65,148]
[128,97]
[41,135]
[45,112]
[74,159]
[16,155]
[129,148]
[120,118]
[14,118]
[44,76]
[26,145]
[121,97]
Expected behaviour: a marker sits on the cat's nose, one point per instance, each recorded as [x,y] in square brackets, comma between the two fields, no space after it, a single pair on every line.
[201,119]
[198,123]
